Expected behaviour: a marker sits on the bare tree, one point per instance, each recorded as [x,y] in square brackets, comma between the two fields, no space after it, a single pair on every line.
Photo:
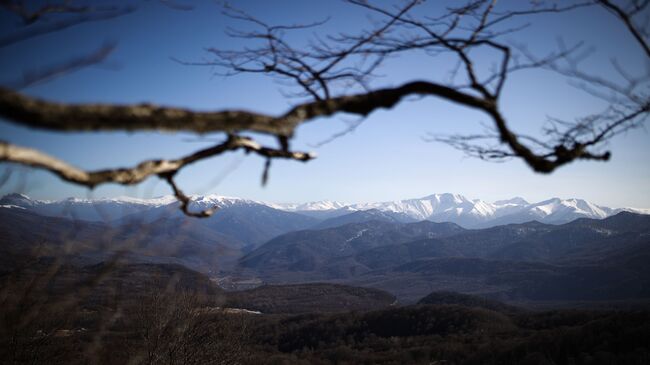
[335,74]
[178,328]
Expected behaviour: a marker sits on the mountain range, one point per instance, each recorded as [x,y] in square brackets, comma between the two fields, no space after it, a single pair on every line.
[600,254]
[586,259]
[445,207]
[471,213]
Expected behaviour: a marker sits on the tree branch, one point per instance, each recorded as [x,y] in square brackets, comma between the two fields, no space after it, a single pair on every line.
[165,169]
[627,20]
[347,60]
[138,173]
[72,65]
[42,28]
[37,113]
[185,200]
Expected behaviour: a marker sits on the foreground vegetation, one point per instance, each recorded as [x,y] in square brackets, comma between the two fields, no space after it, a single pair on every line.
[130,315]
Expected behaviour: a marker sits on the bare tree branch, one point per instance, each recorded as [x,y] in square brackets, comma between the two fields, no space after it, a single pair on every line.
[185,200]
[135,175]
[129,176]
[333,75]
[38,29]
[38,76]
[36,113]
[626,18]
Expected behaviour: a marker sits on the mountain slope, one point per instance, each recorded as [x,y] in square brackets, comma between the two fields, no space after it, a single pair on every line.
[242,220]
[364,216]
[101,210]
[329,253]
[530,261]
[25,234]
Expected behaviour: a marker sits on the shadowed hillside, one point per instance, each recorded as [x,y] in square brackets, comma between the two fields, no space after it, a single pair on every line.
[309,298]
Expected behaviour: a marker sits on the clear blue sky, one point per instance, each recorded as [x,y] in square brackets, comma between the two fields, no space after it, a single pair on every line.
[384,159]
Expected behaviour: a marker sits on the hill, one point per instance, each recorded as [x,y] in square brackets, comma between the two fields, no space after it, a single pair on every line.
[309,298]
[465,300]
[165,240]
[328,253]
[364,216]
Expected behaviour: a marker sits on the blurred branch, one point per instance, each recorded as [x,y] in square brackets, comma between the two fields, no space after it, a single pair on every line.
[626,18]
[32,112]
[30,16]
[128,176]
[333,75]
[41,28]
[44,75]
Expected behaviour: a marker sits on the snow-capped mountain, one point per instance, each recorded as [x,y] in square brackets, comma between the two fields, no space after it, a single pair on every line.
[469,213]
[558,208]
[476,213]
[557,211]
[102,209]
[311,206]
[438,208]
[108,209]
[244,221]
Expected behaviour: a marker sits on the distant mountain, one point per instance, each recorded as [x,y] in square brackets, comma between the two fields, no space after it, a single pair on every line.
[24,234]
[247,221]
[86,209]
[439,208]
[364,216]
[584,260]
[455,208]
[476,213]
[329,253]
[350,250]
[255,224]
[311,206]
[512,262]
[534,241]
[556,211]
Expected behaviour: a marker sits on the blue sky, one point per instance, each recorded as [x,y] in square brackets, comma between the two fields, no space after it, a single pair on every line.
[385,158]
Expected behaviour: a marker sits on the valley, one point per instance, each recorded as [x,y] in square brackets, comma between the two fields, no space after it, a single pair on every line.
[80,279]
[598,257]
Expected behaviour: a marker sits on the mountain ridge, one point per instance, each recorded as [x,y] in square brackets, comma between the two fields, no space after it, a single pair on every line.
[444,207]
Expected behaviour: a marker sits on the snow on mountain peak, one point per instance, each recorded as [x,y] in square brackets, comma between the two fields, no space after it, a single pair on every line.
[310,206]
[444,207]
[447,198]
[17,196]
[563,209]
[16,199]
[484,209]
[11,206]
[633,210]
[158,201]
[456,208]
